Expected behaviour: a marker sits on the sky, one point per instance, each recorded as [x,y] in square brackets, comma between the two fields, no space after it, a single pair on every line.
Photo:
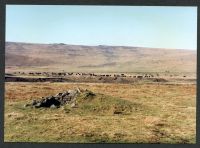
[138,26]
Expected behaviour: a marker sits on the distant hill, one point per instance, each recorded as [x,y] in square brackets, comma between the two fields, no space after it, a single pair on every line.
[98,58]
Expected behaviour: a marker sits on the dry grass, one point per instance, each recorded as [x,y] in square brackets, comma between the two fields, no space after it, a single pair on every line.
[167,115]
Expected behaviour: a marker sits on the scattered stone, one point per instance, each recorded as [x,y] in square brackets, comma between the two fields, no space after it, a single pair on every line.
[74,105]
[67,97]
[26,105]
[53,106]
[34,102]
[37,105]
[59,94]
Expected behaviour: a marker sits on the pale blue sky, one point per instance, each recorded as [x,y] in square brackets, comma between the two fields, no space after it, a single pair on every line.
[156,27]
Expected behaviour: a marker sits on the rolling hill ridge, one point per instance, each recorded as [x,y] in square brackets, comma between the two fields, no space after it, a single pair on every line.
[79,58]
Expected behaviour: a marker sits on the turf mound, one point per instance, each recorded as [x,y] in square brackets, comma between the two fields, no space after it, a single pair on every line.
[87,102]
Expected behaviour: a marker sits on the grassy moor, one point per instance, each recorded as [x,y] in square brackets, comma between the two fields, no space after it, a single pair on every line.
[99,94]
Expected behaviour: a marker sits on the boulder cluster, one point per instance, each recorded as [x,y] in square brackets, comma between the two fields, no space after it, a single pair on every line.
[67,97]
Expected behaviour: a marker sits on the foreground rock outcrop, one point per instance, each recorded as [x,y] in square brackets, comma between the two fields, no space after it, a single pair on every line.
[67,97]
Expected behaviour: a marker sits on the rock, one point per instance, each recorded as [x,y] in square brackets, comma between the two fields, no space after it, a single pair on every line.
[58,98]
[64,94]
[74,105]
[59,95]
[78,90]
[53,106]
[43,100]
[72,93]
[26,105]
[38,105]
[34,102]
[67,97]
[50,101]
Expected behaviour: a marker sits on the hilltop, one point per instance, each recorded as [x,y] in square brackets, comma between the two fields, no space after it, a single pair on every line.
[102,58]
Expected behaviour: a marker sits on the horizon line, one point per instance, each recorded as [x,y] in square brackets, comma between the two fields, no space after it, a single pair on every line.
[101,45]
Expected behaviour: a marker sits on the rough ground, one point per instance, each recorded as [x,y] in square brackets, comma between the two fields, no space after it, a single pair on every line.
[154,113]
